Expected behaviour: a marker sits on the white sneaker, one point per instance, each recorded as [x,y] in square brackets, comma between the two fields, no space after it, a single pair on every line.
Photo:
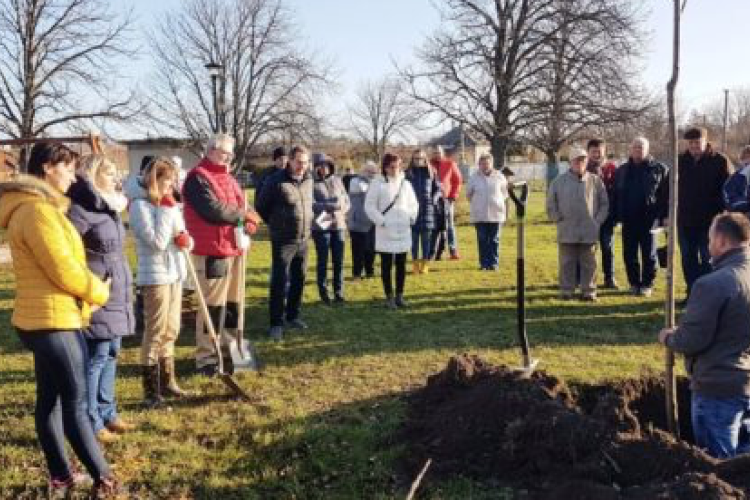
[646,291]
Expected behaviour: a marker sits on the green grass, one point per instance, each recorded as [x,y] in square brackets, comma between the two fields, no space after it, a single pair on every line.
[334,393]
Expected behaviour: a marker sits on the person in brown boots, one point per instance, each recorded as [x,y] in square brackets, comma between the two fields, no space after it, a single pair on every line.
[577,202]
[160,239]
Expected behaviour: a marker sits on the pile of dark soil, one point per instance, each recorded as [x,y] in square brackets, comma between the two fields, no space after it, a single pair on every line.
[538,435]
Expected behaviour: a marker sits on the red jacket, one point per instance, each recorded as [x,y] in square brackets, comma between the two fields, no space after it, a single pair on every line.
[450,178]
[606,173]
[212,239]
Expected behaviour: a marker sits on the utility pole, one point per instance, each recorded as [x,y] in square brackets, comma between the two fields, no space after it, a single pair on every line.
[726,120]
[214,71]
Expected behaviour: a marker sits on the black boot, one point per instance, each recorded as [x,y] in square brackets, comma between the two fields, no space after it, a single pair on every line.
[152,397]
[168,380]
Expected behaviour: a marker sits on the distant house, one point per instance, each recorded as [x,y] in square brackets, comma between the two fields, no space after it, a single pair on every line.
[162,146]
[471,147]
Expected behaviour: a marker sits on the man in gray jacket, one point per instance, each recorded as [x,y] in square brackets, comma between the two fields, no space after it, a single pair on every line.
[714,336]
[577,202]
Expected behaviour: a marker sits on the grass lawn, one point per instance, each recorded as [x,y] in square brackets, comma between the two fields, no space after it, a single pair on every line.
[334,393]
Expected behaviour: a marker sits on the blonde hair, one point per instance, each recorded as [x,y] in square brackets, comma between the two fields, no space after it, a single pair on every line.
[91,165]
[157,169]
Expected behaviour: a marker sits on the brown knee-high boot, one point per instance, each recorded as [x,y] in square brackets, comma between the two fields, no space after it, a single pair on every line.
[151,386]
[168,379]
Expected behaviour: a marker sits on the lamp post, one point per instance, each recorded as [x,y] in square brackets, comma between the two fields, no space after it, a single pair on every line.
[214,70]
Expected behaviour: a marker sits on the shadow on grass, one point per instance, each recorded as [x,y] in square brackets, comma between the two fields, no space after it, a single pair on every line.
[475,319]
[348,451]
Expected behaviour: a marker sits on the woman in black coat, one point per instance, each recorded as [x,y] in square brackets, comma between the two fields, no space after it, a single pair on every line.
[426,186]
[95,212]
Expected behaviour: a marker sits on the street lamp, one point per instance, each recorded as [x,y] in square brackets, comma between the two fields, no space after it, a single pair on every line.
[214,71]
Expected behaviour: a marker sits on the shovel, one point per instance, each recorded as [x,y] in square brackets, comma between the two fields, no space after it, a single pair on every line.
[203,309]
[529,364]
[244,356]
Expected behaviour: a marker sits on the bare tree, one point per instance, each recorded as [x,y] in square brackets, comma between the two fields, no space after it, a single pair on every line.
[265,79]
[381,112]
[711,116]
[58,65]
[669,304]
[589,77]
[481,68]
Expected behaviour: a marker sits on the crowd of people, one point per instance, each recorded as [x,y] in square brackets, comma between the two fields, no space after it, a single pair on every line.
[74,294]
[713,231]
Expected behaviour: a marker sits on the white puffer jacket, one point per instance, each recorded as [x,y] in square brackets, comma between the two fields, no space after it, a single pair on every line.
[392,230]
[160,261]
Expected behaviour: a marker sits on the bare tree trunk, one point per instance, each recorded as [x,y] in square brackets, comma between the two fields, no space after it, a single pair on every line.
[553,165]
[499,148]
[670,383]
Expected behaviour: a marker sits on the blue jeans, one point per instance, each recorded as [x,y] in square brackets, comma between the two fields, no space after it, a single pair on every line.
[606,243]
[450,225]
[332,241]
[102,368]
[488,243]
[421,235]
[696,261]
[288,270]
[721,426]
[637,237]
[60,369]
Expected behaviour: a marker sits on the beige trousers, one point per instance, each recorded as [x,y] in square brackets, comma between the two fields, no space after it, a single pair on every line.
[218,292]
[162,307]
[573,256]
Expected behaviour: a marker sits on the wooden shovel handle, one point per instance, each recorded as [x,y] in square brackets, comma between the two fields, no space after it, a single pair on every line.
[204,308]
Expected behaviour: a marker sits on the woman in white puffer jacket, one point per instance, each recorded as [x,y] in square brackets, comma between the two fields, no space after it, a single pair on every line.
[393,207]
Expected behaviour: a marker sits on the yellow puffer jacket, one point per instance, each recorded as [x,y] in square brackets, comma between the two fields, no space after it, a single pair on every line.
[54,287]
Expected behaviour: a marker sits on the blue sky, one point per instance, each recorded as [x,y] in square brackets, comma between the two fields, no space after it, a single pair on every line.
[364,36]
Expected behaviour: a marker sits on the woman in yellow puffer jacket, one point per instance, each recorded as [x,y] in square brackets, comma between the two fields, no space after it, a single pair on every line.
[55,293]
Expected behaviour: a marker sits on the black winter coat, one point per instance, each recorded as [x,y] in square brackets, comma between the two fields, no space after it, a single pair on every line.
[700,192]
[286,205]
[655,188]
[429,193]
[103,237]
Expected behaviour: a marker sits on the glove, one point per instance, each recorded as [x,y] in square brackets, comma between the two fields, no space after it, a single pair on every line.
[251,227]
[183,240]
[243,240]
[168,201]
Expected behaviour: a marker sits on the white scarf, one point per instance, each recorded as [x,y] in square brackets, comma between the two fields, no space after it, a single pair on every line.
[115,200]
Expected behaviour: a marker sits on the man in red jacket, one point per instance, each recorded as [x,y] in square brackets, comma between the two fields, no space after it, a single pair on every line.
[215,207]
[450,181]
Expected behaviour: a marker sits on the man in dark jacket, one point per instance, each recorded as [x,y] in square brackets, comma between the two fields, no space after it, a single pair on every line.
[280,159]
[737,188]
[640,199]
[286,204]
[215,207]
[713,336]
[702,174]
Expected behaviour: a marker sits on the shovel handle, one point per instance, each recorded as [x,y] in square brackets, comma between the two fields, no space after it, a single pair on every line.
[204,308]
[521,198]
